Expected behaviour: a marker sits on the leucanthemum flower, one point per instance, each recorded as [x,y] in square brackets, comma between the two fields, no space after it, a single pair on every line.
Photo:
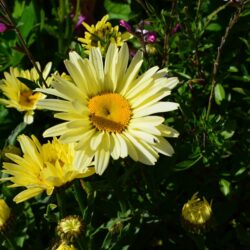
[109,109]
[20,96]
[43,167]
[102,34]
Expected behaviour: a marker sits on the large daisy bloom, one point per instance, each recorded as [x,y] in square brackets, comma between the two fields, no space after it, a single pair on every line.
[108,109]
[43,167]
[19,95]
[102,34]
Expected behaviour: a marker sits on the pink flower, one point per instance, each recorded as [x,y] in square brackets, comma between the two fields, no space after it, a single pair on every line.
[150,37]
[3,27]
[177,28]
[126,25]
[81,18]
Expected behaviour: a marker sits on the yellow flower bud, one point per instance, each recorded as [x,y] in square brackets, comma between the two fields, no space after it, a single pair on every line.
[64,246]
[70,227]
[196,214]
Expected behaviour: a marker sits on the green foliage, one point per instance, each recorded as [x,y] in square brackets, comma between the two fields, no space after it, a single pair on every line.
[134,206]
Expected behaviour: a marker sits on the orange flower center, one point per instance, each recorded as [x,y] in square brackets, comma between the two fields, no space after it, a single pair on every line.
[28,98]
[110,112]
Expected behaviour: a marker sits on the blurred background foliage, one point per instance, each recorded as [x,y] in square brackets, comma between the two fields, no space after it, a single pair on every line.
[134,206]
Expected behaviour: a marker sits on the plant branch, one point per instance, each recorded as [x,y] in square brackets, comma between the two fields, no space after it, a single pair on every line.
[232,22]
[12,23]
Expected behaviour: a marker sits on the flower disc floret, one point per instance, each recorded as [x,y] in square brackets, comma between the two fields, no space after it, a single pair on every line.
[109,112]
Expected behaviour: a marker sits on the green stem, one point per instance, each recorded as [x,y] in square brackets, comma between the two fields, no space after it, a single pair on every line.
[232,22]
[214,13]
[78,197]
[60,204]
[12,138]
[10,246]
[81,242]
[199,241]
[11,21]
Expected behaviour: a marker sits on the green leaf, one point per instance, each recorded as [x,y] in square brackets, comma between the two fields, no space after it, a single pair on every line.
[214,27]
[117,10]
[27,20]
[233,69]
[219,93]
[30,84]
[225,186]
[187,164]
[241,91]
[227,134]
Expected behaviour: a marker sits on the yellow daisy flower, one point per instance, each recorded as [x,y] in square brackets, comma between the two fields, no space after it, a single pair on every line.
[102,34]
[4,214]
[108,108]
[44,167]
[19,95]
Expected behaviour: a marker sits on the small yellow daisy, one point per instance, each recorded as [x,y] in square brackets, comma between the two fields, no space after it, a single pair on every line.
[44,167]
[4,214]
[20,96]
[108,109]
[102,34]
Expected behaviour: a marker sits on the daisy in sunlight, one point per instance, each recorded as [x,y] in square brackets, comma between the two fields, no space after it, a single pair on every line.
[108,109]
[102,34]
[43,167]
[19,95]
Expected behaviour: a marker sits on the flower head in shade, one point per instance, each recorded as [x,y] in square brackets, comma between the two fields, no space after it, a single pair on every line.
[19,95]
[70,227]
[196,214]
[64,246]
[109,110]
[102,35]
[4,214]
[43,167]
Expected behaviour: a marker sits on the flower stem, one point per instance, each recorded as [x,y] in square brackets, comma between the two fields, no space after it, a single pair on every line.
[78,197]
[60,204]
[12,137]
[12,23]
[9,243]
[232,22]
